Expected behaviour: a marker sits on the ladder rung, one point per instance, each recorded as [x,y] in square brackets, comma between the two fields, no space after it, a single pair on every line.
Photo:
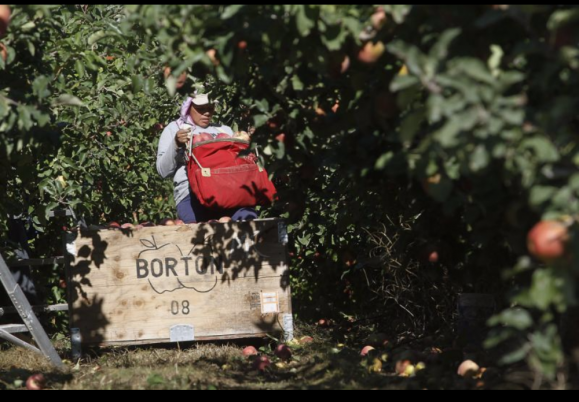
[14,328]
[36,309]
[37,262]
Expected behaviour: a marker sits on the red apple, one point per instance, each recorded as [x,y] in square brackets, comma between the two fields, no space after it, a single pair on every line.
[366,350]
[225,219]
[242,45]
[249,351]
[283,352]
[167,222]
[181,80]
[114,225]
[127,226]
[547,241]
[431,181]
[402,366]
[3,52]
[36,382]
[378,18]
[223,136]
[468,368]
[179,222]
[345,64]
[261,363]
[206,137]
[306,339]
[4,18]
[371,52]
[349,258]
[212,54]
[430,254]
[242,135]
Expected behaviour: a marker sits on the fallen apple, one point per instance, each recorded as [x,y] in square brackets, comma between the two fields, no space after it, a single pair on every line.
[402,366]
[366,350]
[468,368]
[306,339]
[36,382]
[249,351]
[261,363]
[283,352]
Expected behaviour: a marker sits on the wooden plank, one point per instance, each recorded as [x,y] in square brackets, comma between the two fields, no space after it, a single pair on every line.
[222,281]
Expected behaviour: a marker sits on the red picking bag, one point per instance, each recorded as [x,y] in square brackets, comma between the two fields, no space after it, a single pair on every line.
[221,179]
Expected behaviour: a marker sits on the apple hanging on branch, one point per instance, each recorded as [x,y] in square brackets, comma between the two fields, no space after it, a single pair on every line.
[548,240]
[4,18]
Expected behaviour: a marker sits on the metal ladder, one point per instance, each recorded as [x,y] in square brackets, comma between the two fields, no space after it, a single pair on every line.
[25,310]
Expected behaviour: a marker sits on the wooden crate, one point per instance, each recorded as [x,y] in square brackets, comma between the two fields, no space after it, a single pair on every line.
[180,283]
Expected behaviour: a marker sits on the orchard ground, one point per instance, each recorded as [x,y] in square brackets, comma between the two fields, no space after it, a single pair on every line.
[331,361]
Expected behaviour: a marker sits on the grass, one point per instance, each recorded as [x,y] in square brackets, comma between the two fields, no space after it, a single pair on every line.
[332,361]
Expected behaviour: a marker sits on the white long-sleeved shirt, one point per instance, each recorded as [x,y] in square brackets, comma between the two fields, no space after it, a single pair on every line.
[171,158]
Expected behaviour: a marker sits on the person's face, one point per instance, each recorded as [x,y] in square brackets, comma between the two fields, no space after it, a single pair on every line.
[202,115]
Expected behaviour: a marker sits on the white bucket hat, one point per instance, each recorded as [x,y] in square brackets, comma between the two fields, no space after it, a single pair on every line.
[200,99]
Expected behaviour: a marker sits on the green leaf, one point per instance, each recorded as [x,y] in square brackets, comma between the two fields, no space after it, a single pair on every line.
[67,100]
[541,194]
[304,20]
[516,356]
[519,319]
[402,82]
[231,10]
[561,18]
[448,134]
[297,84]
[259,120]
[95,37]
[480,159]
[384,160]
[439,51]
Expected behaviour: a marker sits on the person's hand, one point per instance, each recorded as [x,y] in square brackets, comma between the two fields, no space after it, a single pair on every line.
[182,137]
